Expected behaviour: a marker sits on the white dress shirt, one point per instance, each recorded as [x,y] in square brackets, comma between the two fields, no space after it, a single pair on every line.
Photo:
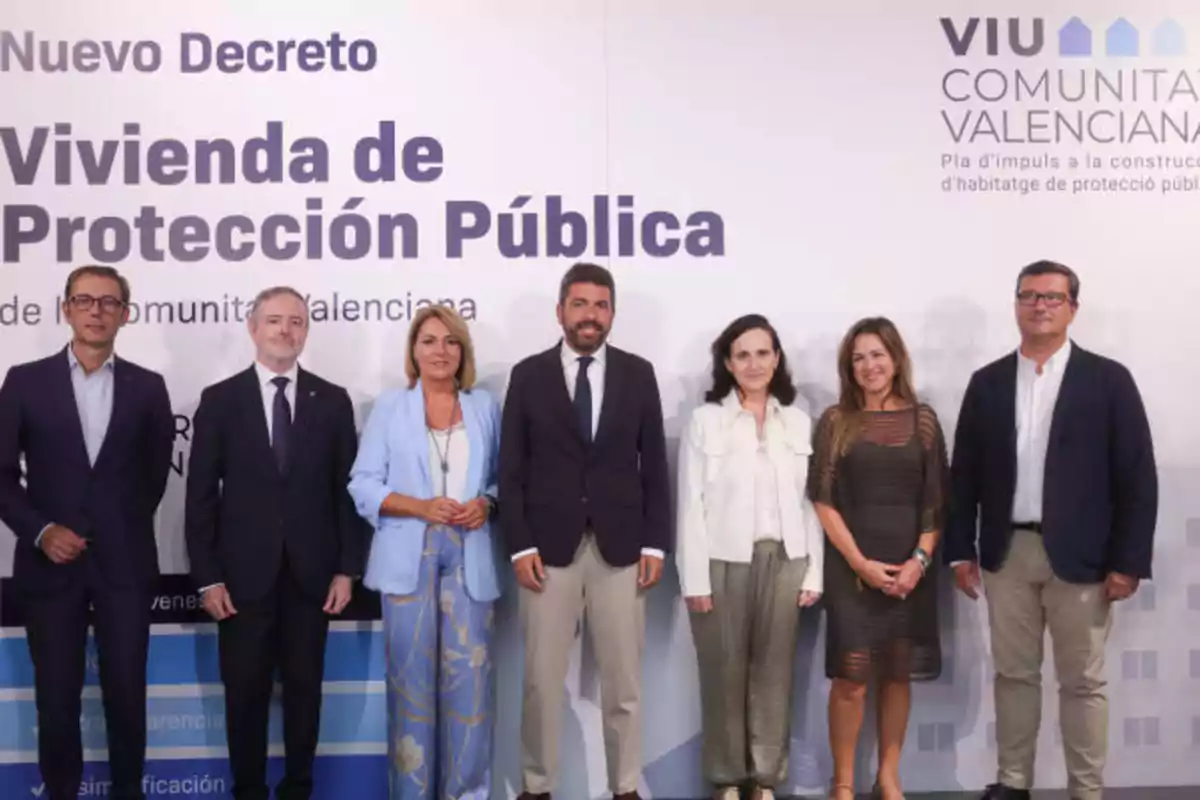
[723,505]
[595,375]
[1036,398]
[265,376]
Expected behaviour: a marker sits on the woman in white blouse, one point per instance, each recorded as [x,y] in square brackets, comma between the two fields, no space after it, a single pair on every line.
[749,552]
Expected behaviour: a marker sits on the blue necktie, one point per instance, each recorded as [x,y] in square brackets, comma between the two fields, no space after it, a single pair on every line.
[583,399]
[281,422]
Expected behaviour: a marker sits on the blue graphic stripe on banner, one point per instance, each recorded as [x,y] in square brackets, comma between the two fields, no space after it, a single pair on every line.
[200,721]
[189,658]
[335,778]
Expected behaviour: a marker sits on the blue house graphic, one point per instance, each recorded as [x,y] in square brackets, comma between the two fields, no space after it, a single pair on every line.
[1169,39]
[1074,38]
[1121,39]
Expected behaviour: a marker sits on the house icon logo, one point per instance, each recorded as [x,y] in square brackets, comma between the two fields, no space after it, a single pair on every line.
[1121,39]
[1029,37]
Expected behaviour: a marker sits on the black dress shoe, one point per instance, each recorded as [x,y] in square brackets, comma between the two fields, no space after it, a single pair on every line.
[627,796]
[532,796]
[998,791]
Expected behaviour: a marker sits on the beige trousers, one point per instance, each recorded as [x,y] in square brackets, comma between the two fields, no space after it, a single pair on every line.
[615,608]
[1024,599]
[746,648]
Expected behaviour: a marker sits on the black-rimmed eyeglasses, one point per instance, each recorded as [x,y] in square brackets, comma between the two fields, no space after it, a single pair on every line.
[84,302]
[1030,298]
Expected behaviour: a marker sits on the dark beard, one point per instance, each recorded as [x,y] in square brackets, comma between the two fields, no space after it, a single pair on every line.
[576,345]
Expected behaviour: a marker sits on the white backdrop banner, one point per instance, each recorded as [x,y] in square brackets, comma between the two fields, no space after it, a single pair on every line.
[814,162]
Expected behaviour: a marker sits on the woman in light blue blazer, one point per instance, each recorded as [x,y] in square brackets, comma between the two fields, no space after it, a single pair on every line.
[425,478]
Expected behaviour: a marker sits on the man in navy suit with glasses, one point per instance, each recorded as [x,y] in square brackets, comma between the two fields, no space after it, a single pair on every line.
[95,432]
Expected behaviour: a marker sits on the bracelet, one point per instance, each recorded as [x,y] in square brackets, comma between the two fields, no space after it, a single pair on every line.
[922,558]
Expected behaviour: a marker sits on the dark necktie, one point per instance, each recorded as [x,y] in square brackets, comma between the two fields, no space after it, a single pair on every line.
[281,422]
[583,399]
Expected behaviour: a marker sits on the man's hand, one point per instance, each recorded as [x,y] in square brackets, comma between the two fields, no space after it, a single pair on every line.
[339,595]
[966,578]
[649,571]
[62,545]
[217,603]
[472,515]
[530,572]
[1119,587]
[699,604]
[441,510]
[807,598]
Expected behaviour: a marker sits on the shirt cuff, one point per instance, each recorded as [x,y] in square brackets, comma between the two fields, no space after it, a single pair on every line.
[37,542]
[518,556]
[651,551]
[956,563]
[813,583]
[210,586]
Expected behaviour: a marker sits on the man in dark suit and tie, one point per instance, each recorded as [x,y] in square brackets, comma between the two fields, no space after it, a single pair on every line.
[96,433]
[1055,497]
[584,510]
[273,538]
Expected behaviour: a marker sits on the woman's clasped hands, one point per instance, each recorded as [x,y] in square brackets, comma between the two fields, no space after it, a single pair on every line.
[893,580]
[448,511]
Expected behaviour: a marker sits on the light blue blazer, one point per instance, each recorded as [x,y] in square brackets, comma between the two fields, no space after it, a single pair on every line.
[393,456]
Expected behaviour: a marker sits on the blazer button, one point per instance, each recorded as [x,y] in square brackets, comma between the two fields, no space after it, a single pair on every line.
[584,499]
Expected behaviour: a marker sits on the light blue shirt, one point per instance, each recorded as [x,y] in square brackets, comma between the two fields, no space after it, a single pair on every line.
[393,456]
[94,400]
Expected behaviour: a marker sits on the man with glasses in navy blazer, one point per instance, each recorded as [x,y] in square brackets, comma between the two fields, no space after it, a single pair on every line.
[1053,508]
[96,433]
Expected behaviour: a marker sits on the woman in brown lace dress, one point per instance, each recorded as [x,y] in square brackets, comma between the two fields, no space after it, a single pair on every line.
[878,483]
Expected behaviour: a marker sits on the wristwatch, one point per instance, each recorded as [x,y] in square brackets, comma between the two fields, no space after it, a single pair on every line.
[922,558]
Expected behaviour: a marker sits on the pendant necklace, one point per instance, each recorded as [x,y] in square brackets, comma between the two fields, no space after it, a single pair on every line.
[444,459]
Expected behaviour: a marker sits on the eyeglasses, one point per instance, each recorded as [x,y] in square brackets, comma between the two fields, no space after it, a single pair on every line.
[84,302]
[1030,298]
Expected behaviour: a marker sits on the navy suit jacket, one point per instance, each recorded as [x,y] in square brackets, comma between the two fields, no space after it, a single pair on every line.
[553,486]
[113,503]
[1100,496]
[242,512]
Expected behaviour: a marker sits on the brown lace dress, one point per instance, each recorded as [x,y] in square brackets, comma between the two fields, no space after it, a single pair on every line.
[889,485]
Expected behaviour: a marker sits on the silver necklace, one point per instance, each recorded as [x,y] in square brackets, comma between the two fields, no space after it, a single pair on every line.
[444,458]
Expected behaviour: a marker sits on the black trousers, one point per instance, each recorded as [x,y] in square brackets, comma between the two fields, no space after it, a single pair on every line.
[285,630]
[56,627]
